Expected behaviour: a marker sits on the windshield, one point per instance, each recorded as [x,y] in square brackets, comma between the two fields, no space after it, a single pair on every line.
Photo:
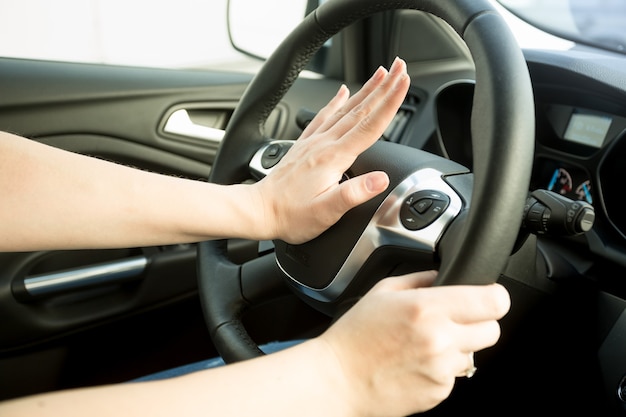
[600,23]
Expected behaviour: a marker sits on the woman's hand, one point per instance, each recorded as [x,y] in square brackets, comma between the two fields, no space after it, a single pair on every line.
[303,195]
[402,345]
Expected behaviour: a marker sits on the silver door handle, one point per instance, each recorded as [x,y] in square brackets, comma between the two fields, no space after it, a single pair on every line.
[179,123]
[60,282]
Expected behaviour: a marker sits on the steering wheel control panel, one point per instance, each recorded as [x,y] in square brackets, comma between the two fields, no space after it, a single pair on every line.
[422,208]
[268,156]
[274,153]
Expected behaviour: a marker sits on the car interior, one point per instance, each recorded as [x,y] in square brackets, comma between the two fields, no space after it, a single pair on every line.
[523,150]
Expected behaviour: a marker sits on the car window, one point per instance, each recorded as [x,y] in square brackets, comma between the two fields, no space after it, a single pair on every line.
[601,23]
[154,33]
[260,37]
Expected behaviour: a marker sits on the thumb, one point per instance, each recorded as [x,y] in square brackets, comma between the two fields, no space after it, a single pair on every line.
[360,189]
[376,182]
[408,282]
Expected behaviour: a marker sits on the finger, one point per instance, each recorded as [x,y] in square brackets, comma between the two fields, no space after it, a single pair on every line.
[340,99]
[351,193]
[374,82]
[358,190]
[478,336]
[408,282]
[475,303]
[467,365]
[367,121]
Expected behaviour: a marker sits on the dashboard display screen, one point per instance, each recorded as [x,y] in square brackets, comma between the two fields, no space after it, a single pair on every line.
[587,129]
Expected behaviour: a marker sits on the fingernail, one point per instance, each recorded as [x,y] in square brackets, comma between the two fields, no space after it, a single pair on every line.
[376,183]
[343,89]
[396,65]
[379,73]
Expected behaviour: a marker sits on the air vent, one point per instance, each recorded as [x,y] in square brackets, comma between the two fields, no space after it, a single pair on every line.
[396,128]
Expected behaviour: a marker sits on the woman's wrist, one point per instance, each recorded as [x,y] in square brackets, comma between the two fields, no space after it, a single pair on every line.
[345,395]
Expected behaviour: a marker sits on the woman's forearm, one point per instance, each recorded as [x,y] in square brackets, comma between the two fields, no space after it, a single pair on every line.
[287,383]
[58,199]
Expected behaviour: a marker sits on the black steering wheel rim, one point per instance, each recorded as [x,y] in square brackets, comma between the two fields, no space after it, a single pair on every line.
[502,133]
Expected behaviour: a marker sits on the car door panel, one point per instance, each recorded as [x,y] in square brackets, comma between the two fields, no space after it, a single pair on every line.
[41,315]
[114,113]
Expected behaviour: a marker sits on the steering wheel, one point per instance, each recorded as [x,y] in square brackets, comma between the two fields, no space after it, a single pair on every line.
[435,213]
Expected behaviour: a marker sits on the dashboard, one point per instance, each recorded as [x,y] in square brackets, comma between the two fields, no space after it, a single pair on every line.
[577,134]
[580,148]
[580,145]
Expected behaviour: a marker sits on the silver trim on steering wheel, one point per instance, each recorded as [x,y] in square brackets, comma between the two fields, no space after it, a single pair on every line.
[386,229]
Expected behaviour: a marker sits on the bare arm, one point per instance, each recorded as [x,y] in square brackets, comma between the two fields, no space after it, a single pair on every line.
[54,199]
[397,352]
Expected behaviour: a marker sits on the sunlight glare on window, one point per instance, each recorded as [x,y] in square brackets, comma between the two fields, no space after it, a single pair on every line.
[184,33]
